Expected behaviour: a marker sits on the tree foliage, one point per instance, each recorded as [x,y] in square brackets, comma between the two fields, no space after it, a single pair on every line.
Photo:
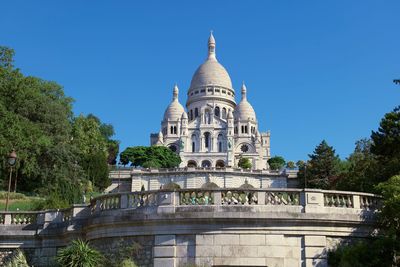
[244,163]
[381,249]
[290,165]
[56,151]
[386,145]
[150,157]
[362,165]
[323,168]
[17,259]
[276,163]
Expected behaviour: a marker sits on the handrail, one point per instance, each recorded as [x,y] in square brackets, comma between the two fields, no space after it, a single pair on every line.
[303,200]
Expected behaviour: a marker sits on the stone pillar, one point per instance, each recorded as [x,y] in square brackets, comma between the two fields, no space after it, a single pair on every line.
[7,219]
[164,251]
[216,195]
[124,201]
[313,201]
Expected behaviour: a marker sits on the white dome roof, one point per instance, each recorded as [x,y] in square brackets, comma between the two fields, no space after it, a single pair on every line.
[211,72]
[175,109]
[244,111]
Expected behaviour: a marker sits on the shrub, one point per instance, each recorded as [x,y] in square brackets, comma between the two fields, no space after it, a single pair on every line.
[3,195]
[128,263]
[18,259]
[244,163]
[79,254]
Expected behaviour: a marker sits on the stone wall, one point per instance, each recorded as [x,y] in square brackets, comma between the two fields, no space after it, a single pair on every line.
[209,227]
[138,247]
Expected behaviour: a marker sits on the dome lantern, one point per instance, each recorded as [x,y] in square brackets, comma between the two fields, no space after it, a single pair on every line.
[175,109]
[211,46]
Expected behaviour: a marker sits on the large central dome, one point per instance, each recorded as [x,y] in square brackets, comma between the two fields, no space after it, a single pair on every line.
[211,72]
[211,81]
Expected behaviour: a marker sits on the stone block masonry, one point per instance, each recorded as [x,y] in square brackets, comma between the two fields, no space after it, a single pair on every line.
[220,227]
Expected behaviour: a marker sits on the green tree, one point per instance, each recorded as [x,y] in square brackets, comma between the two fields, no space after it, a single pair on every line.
[322,169]
[389,217]
[381,249]
[93,149]
[35,118]
[290,165]
[386,145]
[360,174]
[150,157]
[244,163]
[54,148]
[300,164]
[276,163]
[107,131]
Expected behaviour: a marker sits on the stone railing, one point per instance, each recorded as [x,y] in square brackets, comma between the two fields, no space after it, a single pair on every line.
[304,201]
[314,199]
[42,217]
[205,169]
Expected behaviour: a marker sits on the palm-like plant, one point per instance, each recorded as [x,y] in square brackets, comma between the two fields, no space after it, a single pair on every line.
[79,254]
[17,260]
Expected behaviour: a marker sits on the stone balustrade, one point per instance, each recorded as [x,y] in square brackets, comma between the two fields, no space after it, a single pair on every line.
[242,225]
[206,169]
[308,198]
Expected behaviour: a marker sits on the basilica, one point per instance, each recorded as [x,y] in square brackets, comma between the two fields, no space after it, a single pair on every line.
[213,131]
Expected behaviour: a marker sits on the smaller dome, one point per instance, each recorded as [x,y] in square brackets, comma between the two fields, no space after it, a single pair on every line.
[184,116]
[244,111]
[229,116]
[175,109]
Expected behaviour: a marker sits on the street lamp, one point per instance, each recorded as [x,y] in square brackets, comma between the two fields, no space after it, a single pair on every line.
[12,160]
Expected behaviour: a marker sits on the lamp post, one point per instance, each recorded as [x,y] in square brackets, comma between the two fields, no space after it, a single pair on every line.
[12,159]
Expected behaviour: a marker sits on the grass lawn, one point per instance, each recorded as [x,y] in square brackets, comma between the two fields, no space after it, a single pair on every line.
[18,202]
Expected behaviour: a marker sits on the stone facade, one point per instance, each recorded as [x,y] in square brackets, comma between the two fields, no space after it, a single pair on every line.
[221,227]
[214,131]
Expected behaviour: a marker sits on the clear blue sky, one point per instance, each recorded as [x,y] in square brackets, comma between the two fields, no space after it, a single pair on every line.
[314,69]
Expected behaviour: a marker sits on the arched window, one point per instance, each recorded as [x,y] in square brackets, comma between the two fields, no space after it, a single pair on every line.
[242,129]
[196,112]
[191,114]
[220,164]
[220,139]
[192,164]
[193,147]
[236,130]
[206,164]
[172,129]
[207,117]
[216,111]
[207,140]
[245,129]
[224,113]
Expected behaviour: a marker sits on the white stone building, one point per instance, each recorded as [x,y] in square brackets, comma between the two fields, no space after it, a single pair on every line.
[213,131]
